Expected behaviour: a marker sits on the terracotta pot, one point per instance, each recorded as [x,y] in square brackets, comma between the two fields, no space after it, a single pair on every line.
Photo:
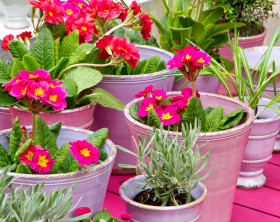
[244,42]
[91,184]
[141,212]
[227,153]
[259,148]
[204,83]
[81,117]
[5,118]
[124,88]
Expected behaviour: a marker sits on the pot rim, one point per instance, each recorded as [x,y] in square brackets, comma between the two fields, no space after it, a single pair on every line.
[104,164]
[247,123]
[254,36]
[162,208]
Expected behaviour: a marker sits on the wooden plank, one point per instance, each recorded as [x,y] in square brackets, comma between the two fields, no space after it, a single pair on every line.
[275,159]
[241,214]
[272,173]
[116,181]
[263,199]
[114,204]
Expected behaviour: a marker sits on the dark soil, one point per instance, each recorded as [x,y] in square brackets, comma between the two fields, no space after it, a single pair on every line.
[147,196]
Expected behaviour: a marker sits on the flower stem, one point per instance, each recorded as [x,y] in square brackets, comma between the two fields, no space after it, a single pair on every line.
[193,88]
[34,125]
[114,29]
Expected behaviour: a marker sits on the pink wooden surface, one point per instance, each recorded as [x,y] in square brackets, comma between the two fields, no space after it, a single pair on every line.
[259,205]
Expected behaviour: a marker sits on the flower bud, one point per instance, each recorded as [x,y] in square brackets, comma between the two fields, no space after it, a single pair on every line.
[20,144]
[23,129]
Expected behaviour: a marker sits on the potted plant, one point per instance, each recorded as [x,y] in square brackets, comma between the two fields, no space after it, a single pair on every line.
[267,121]
[59,156]
[168,178]
[189,23]
[223,128]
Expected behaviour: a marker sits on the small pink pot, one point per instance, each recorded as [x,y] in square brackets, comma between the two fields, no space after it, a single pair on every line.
[227,153]
[5,118]
[204,83]
[259,149]
[145,213]
[81,117]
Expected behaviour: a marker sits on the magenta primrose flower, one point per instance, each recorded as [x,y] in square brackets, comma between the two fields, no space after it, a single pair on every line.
[56,98]
[27,156]
[39,75]
[146,92]
[42,162]
[84,152]
[147,104]
[19,89]
[70,8]
[82,210]
[168,116]
[37,90]
[159,95]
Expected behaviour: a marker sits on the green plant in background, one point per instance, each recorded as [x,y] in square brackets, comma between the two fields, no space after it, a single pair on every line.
[170,166]
[21,205]
[253,13]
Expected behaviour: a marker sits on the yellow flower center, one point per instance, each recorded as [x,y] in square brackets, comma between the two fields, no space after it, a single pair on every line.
[33,76]
[84,28]
[106,10]
[80,5]
[42,161]
[85,152]
[149,107]
[201,60]
[29,155]
[50,13]
[39,91]
[69,11]
[158,97]
[187,57]
[52,85]
[53,98]
[166,116]
[23,91]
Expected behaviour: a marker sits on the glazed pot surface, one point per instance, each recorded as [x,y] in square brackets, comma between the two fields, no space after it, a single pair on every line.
[5,118]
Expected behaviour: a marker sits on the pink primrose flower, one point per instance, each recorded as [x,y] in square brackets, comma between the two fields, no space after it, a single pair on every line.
[56,98]
[70,8]
[82,210]
[39,75]
[201,58]
[37,90]
[146,92]
[135,7]
[6,41]
[159,95]
[126,216]
[54,11]
[19,90]
[42,162]
[146,24]
[104,44]
[147,104]
[55,82]
[27,156]
[169,116]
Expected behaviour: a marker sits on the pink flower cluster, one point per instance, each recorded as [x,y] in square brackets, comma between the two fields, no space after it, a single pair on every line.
[168,113]
[24,36]
[38,159]
[38,86]
[118,47]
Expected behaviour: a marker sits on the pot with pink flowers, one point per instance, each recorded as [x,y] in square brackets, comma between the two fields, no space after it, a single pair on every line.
[225,125]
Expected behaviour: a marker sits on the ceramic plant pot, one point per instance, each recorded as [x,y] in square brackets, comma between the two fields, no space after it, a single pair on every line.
[5,118]
[15,12]
[259,148]
[204,83]
[81,117]
[124,88]
[227,153]
[91,184]
[141,212]
[253,55]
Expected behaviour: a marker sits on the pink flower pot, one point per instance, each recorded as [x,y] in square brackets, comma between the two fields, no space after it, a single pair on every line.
[124,88]
[227,153]
[145,213]
[244,42]
[204,83]
[5,118]
[259,149]
[81,117]
[91,184]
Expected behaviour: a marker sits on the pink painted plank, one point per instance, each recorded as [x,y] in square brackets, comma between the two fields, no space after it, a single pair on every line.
[262,199]
[241,214]
[275,159]
[114,204]
[272,173]
[116,181]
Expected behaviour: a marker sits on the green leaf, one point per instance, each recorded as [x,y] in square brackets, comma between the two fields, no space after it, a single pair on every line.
[18,49]
[104,98]
[213,119]
[30,63]
[181,5]
[15,139]
[60,156]
[98,137]
[5,72]
[194,111]
[56,45]
[57,30]
[232,118]
[70,164]
[69,44]
[179,35]
[103,155]
[22,149]
[209,109]
[21,168]
[43,49]
[153,119]
[162,66]
[62,64]
[55,128]
[6,99]
[44,137]
[84,77]
[79,53]
[133,109]
[4,157]
[70,87]
[213,16]
[149,65]
[17,66]
[104,215]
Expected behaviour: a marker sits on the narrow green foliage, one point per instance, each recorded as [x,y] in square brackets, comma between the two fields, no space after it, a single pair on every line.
[15,139]
[98,137]
[153,119]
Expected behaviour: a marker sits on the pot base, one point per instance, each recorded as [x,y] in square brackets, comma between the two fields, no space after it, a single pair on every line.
[251,182]
[277,145]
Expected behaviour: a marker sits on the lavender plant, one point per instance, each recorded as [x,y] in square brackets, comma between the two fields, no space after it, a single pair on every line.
[170,166]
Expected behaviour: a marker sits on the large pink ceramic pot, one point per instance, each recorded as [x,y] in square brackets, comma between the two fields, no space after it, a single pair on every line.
[259,148]
[244,42]
[81,117]
[183,213]
[227,153]
[5,118]
[91,184]
[124,88]
[204,83]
